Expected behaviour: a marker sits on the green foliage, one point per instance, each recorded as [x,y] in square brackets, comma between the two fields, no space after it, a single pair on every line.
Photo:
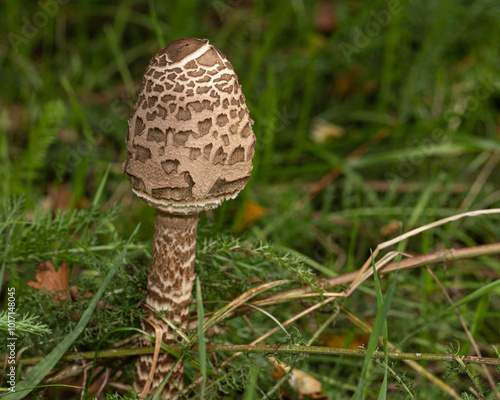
[70,235]
[417,99]
[116,396]
[497,354]
[233,379]
[35,375]
[453,349]
[75,238]
[226,265]
[379,327]
[458,367]
[24,170]
[27,324]
[201,338]
[42,135]
[294,338]
[405,386]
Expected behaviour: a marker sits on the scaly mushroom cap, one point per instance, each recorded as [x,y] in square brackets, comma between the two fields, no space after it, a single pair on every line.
[190,141]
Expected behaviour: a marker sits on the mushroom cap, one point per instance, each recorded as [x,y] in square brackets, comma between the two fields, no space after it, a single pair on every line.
[189,141]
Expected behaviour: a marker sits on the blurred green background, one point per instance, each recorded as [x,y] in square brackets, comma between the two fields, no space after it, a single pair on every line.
[371,118]
[411,86]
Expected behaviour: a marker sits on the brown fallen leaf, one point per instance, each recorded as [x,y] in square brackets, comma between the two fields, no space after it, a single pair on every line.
[255,280]
[253,212]
[55,282]
[340,339]
[57,285]
[58,197]
[390,228]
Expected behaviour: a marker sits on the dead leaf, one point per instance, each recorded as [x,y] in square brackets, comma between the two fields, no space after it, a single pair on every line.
[55,282]
[58,197]
[340,339]
[255,280]
[343,83]
[253,212]
[390,228]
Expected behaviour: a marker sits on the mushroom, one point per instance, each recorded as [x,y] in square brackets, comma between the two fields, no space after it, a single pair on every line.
[189,147]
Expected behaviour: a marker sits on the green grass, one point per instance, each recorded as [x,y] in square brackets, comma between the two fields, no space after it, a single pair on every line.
[415,86]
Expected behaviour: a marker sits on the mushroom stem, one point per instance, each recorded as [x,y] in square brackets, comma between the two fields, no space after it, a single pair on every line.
[189,147]
[170,283]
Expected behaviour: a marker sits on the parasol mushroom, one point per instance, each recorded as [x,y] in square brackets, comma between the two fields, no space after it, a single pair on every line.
[189,147]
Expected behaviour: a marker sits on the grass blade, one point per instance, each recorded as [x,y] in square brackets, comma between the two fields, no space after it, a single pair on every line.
[100,189]
[374,336]
[252,383]
[380,303]
[7,247]
[202,352]
[156,25]
[43,368]
[470,297]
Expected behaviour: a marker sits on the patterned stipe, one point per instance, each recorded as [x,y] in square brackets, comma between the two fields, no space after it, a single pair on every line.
[170,284]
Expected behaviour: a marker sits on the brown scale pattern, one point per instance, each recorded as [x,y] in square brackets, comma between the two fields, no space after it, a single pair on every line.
[189,147]
[193,111]
[170,283]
